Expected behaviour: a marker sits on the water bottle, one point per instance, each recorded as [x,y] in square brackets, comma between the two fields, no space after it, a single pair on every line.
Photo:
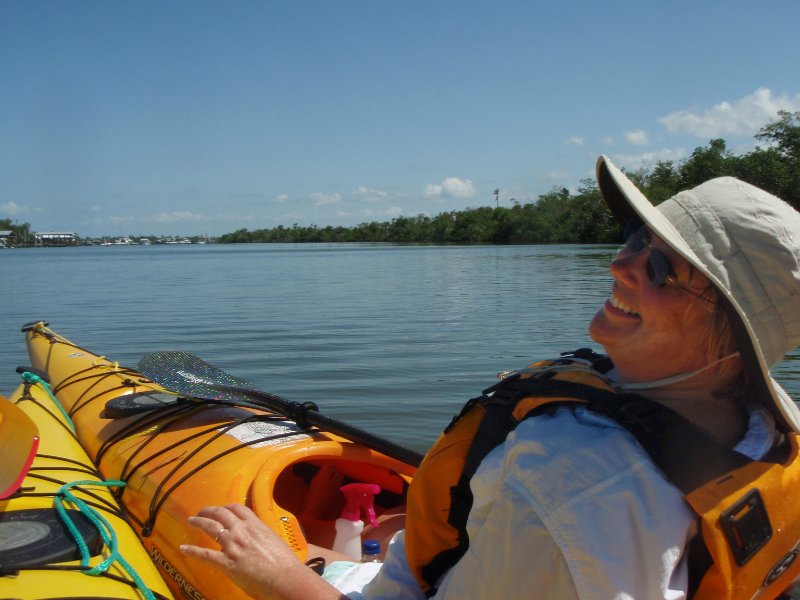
[371,551]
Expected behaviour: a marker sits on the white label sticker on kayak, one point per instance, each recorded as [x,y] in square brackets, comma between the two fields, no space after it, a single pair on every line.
[269,432]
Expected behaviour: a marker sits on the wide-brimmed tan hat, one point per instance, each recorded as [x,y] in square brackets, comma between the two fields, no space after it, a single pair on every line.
[747,242]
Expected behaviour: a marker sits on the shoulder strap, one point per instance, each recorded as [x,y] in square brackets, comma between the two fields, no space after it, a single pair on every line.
[684,452]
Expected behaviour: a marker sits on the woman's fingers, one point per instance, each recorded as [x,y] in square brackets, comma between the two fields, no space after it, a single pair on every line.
[241,512]
[211,527]
[205,554]
[218,522]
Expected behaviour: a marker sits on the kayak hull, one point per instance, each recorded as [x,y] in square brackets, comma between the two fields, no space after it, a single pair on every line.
[185,455]
[39,557]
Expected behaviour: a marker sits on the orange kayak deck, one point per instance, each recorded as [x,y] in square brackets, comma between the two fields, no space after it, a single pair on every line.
[184,455]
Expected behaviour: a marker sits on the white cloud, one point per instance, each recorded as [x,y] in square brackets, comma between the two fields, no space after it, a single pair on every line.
[741,117]
[11,209]
[637,137]
[119,219]
[280,198]
[575,140]
[321,199]
[608,140]
[450,187]
[369,195]
[95,208]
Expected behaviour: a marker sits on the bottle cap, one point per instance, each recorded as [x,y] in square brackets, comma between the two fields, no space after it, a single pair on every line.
[371,547]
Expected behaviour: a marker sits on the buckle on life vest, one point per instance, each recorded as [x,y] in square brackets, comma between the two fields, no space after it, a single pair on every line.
[746,526]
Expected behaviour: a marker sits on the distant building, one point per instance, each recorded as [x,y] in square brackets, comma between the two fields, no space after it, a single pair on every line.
[7,239]
[55,238]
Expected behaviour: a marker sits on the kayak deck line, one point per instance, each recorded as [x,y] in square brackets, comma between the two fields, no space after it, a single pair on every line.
[178,456]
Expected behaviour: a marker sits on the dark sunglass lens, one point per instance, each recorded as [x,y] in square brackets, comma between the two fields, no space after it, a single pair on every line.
[658,267]
[638,240]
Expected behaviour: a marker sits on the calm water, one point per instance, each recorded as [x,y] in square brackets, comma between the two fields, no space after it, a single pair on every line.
[391,338]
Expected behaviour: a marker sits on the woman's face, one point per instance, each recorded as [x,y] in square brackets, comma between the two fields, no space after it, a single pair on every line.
[653,332]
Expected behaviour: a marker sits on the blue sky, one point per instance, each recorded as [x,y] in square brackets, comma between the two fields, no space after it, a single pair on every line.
[186,118]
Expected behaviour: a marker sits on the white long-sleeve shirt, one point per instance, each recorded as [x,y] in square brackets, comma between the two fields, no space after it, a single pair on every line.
[569,506]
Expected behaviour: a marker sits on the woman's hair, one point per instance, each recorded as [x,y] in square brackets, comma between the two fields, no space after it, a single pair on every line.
[720,342]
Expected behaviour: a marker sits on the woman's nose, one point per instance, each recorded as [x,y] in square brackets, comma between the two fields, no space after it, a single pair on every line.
[628,266]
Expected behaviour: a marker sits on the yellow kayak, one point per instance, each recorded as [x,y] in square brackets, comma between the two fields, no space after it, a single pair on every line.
[40,556]
[179,455]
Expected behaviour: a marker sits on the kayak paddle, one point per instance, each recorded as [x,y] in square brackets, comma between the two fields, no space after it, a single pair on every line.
[186,374]
[19,440]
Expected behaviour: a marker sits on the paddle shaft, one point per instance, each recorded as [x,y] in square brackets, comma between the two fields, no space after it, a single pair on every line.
[304,414]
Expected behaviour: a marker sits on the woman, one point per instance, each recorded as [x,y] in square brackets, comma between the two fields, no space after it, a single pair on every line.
[570,505]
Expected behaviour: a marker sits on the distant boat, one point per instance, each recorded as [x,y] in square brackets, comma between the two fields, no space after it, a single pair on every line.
[144,242]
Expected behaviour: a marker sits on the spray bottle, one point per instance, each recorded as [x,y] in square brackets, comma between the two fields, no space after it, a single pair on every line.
[358,497]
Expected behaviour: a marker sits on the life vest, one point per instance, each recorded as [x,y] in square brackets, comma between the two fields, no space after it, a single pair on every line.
[748,511]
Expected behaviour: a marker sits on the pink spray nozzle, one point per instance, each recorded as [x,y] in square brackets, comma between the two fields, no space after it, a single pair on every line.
[359,496]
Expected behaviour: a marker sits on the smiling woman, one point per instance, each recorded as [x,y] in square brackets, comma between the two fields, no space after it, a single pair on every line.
[554,479]
[663,307]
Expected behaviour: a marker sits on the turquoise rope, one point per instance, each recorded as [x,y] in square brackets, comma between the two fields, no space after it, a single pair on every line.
[29,377]
[107,532]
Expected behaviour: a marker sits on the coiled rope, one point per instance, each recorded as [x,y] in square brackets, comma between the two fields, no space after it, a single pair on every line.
[65,495]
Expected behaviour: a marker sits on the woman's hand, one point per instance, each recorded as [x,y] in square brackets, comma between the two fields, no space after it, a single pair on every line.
[254,556]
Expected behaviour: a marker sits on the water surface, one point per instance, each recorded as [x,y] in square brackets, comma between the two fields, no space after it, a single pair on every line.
[391,338]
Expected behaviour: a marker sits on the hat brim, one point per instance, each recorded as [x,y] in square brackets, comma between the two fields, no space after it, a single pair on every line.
[627,202]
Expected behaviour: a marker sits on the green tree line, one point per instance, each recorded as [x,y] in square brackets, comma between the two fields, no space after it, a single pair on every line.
[561,216]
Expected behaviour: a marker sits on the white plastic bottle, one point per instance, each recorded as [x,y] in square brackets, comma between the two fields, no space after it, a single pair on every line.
[348,537]
[349,526]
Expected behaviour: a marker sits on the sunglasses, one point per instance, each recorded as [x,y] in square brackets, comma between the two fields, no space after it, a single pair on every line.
[659,269]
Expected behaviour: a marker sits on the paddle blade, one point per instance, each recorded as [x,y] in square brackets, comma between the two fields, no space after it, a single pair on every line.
[19,440]
[189,375]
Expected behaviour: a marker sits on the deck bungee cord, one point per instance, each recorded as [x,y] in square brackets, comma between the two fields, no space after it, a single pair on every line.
[61,463]
[33,378]
[160,498]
